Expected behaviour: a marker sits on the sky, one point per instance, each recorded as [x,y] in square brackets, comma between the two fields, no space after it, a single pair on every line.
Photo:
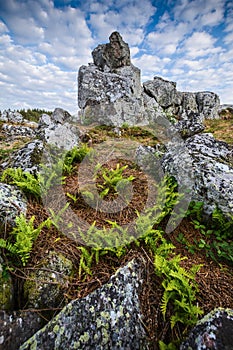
[44,42]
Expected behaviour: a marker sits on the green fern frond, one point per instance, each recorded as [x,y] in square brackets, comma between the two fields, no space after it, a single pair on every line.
[24,180]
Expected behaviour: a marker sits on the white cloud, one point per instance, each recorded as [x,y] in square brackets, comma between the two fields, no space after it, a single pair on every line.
[200,44]
[167,36]
[42,46]
[200,12]
[129,17]
[3,28]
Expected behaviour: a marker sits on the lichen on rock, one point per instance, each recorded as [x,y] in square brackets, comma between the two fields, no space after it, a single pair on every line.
[43,288]
[108,318]
[12,203]
[212,332]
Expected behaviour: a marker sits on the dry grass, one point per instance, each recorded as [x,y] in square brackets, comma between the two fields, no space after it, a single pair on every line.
[222,129]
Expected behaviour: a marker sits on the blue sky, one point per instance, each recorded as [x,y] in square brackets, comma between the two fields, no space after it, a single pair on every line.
[44,42]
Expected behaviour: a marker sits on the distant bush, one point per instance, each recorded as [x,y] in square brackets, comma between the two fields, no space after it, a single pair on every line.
[33,114]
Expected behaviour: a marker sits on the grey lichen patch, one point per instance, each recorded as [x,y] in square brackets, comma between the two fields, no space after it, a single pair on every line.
[108,318]
[12,203]
[27,158]
[213,331]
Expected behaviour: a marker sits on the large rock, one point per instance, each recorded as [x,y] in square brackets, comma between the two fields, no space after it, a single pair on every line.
[110,98]
[58,130]
[182,103]
[110,91]
[213,332]
[108,318]
[43,289]
[17,326]
[113,55]
[12,203]
[208,104]
[27,158]
[211,180]
[163,91]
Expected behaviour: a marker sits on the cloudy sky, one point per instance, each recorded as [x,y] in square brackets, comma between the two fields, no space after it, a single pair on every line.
[44,42]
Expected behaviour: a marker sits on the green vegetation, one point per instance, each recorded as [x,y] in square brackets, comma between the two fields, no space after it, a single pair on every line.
[216,234]
[33,114]
[114,179]
[111,241]
[24,180]
[222,129]
[180,288]
[24,234]
[76,155]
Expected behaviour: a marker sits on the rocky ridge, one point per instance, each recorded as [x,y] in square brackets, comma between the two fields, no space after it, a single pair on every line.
[110,91]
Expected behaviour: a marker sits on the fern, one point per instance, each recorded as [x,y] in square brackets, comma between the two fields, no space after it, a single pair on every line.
[113,179]
[85,261]
[7,245]
[24,180]
[180,288]
[56,218]
[170,346]
[24,234]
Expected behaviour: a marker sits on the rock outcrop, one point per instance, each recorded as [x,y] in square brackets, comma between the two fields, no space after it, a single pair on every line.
[58,130]
[110,91]
[179,103]
[214,331]
[212,171]
[108,318]
[27,157]
[114,55]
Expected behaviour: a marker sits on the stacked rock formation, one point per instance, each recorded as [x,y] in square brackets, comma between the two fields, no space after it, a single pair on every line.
[110,91]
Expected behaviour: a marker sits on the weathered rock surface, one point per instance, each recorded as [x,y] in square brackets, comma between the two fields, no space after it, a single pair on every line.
[11,117]
[12,203]
[17,327]
[6,289]
[110,92]
[212,171]
[109,98]
[108,318]
[182,103]
[43,289]
[27,158]
[18,130]
[191,125]
[58,130]
[113,55]
[213,332]
[163,91]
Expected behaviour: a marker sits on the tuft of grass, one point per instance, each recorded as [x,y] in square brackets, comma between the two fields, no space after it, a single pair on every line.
[222,129]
